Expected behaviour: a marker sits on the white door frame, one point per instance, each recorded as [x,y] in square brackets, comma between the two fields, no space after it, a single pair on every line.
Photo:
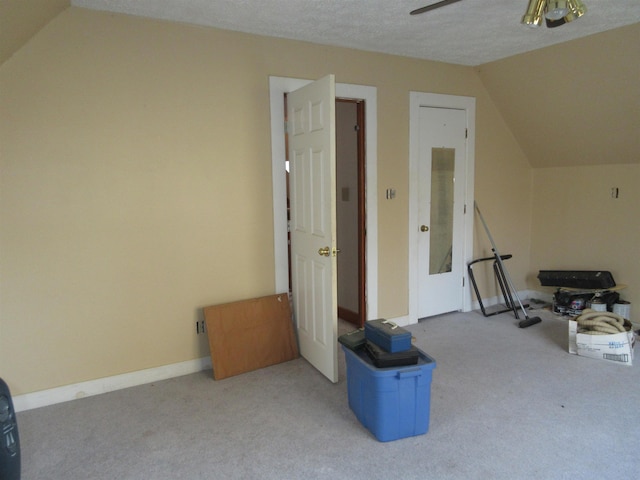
[278,86]
[418,100]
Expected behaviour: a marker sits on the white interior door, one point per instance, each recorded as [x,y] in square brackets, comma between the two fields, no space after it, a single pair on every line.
[441,209]
[312,165]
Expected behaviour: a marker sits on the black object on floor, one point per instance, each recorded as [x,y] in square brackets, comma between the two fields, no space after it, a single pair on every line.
[527,322]
[10,445]
[502,282]
[590,279]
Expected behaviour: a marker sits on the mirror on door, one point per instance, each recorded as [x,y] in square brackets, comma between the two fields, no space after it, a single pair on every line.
[442,182]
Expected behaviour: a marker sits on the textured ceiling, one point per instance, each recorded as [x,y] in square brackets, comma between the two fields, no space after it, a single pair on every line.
[469,32]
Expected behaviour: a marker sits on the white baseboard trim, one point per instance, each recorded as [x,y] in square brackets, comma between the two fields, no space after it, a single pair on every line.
[487,302]
[524,296]
[544,296]
[66,393]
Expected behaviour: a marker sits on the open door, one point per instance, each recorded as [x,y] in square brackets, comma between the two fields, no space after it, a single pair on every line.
[312,164]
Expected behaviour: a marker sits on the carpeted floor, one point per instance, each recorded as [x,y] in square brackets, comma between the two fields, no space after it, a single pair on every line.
[506,403]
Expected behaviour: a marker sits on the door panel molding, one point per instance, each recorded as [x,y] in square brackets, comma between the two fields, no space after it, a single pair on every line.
[418,100]
[312,147]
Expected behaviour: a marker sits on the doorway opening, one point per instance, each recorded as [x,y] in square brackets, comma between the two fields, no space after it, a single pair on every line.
[278,86]
[350,209]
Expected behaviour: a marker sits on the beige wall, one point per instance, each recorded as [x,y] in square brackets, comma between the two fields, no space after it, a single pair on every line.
[136,185]
[577,225]
[575,110]
[575,103]
[21,19]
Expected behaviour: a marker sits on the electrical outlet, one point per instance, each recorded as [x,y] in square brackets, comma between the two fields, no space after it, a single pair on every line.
[200,327]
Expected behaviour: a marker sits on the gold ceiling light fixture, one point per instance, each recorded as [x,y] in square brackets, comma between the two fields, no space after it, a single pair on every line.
[556,9]
[554,12]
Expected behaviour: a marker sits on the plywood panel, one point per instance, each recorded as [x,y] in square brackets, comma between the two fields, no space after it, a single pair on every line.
[250,334]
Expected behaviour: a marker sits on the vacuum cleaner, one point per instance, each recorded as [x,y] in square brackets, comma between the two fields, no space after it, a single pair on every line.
[528,321]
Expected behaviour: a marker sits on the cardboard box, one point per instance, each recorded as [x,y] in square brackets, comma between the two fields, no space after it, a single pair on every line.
[617,348]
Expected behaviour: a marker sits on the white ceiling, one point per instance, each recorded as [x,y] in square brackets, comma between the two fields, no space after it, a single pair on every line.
[469,32]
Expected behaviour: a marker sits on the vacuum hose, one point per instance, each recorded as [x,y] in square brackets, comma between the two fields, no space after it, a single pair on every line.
[594,322]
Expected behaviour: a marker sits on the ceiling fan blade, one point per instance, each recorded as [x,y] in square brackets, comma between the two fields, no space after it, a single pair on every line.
[433,6]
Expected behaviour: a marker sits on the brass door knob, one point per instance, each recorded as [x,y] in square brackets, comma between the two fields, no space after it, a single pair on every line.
[325,251]
[424,228]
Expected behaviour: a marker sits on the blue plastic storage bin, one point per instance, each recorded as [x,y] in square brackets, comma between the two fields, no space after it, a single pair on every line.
[391,403]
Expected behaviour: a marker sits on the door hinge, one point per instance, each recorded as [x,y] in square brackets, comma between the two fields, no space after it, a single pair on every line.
[356,127]
[466,133]
[462,282]
[286,128]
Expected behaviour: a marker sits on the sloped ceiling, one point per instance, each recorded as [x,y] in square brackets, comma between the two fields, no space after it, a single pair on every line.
[21,20]
[569,94]
[574,104]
